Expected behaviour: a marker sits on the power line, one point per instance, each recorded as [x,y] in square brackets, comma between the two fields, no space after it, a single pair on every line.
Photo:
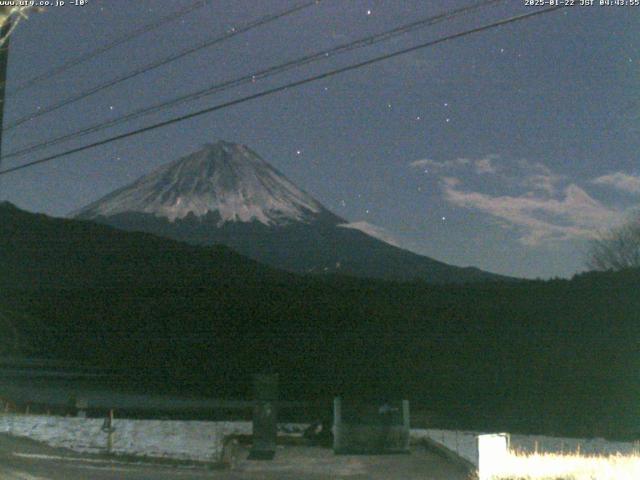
[105,48]
[216,88]
[282,88]
[164,61]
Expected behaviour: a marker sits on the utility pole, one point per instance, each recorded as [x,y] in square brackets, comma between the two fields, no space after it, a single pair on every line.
[10,17]
[4,61]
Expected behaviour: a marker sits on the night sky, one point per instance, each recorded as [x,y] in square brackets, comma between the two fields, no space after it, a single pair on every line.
[506,149]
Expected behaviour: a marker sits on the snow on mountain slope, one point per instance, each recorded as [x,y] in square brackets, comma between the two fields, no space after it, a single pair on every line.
[373,231]
[226,178]
[226,194]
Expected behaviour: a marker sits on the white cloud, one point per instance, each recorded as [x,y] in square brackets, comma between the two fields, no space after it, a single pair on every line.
[440,166]
[545,183]
[338,36]
[621,181]
[537,176]
[545,207]
[425,162]
[540,219]
[523,172]
[481,166]
[485,166]
[451,181]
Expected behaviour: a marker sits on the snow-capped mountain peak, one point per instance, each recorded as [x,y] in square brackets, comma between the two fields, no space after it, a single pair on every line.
[224,178]
[226,194]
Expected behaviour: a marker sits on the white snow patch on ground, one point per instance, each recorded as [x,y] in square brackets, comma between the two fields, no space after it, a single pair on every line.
[16,475]
[180,440]
[465,444]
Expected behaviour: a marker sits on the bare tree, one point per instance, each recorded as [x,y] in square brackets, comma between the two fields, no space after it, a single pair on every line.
[617,249]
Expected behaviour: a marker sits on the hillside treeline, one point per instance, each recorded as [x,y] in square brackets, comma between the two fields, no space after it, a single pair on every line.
[554,357]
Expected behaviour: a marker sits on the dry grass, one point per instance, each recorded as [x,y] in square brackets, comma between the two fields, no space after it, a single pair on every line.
[547,466]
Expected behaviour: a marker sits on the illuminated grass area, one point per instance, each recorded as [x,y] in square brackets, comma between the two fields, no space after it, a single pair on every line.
[548,466]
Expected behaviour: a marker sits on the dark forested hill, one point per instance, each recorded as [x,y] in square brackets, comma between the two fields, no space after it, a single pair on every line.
[554,357]
[44,252]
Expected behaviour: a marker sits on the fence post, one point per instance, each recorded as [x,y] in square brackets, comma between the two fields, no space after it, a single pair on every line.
[265,417]
[81,405]
[337,424]
[110,439]
[406,423]
[108,428]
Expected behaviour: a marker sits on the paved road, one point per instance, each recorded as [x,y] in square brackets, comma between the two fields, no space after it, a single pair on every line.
[22,459]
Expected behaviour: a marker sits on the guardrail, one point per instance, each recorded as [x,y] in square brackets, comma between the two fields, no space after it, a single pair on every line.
[40,386]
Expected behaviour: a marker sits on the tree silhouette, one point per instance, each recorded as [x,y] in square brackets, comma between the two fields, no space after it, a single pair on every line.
[617,249]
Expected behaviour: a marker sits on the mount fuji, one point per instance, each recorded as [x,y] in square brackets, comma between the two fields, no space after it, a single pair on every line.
[226,194]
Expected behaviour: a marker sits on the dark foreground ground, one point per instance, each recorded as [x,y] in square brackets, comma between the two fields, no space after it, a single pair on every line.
[26,460]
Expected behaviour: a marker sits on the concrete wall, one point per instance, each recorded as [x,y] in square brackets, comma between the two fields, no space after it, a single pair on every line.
[463,444]
[182,440]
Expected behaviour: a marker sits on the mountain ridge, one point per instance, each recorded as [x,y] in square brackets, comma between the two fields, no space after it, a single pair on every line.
[225,193]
